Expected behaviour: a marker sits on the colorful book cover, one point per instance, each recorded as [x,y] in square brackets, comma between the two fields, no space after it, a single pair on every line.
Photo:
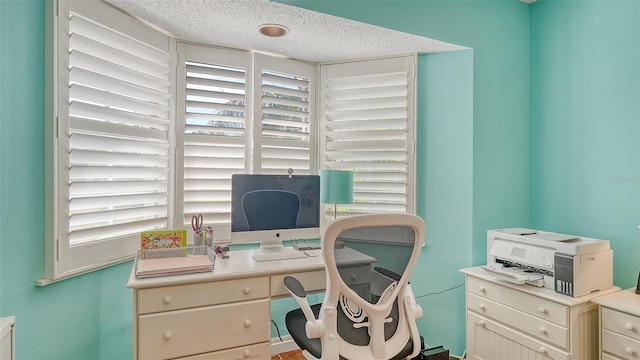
[162,239]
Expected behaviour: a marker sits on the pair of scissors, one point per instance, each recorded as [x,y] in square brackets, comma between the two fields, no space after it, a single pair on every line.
[196,222]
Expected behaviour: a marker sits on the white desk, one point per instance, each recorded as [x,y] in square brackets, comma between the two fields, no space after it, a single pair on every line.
[224,314]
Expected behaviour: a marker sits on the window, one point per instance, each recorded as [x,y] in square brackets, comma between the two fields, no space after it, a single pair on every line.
[138,146]
[112,157]
[223,131]
[368,127]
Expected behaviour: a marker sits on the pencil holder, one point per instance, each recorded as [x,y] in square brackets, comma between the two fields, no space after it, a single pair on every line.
[203,237]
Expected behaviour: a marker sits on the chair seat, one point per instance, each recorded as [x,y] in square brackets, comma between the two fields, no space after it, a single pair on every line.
[296,322]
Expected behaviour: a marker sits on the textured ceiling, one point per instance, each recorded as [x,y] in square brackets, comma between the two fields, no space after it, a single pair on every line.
[313,36]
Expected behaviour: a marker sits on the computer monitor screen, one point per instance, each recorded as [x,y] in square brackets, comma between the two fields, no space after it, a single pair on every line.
[269,209]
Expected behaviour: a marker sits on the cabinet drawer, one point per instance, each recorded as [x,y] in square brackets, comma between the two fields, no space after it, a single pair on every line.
[487,339]
[532,325]
[620,345]
[606,356]
[200,330]
[530,304]
[311,280]
[621,323]
[203,294]
[251,352]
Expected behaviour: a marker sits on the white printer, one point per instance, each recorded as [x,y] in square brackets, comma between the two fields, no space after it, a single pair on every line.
[570,265]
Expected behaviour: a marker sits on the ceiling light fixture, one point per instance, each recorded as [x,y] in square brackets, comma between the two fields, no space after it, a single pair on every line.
[273,30]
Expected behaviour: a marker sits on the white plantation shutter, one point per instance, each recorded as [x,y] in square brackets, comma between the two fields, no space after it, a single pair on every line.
[285,134]
[368,127]
[212,132]
[113,144]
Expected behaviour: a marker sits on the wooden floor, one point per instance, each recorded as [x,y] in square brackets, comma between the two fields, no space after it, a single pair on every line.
[291,355]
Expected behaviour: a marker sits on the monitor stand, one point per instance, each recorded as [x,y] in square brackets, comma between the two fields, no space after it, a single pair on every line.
[271,246]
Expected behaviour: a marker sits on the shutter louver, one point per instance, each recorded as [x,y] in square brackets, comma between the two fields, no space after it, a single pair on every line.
[118,148]
[285,123]
[214,140]
[367,126]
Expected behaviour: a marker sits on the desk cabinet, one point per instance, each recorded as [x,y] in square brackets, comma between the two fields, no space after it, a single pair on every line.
[509,321]
[204,318]
[620,325]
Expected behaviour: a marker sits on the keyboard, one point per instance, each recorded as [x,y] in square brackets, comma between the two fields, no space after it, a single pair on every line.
[279,255]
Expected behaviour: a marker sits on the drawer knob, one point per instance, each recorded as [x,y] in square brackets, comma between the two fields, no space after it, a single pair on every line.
[482,289]
[247,353]
[166,300]
[630,327]
[481,306]
[482,323]
[630,350]
[354,277]
[247,323]
[542,330]
[543,350]
[167,335]
[542,310]
[247,290]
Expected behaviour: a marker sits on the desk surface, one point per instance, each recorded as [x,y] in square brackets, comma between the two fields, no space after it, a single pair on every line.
[240,264]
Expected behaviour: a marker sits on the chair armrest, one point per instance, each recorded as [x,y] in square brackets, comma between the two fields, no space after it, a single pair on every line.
[314,327]
[387,273]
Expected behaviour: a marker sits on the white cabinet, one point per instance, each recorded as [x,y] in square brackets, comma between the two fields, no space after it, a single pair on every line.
[620,325]
[7,338]
[509,321]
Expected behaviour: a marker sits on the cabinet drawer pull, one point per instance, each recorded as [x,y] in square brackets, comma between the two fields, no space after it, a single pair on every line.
[247,290]
[166,300]
[247,353]
[542,330]
[247,323]
[167,335]
[354,277]
[542,310]
[481,307]
[482,289]
[630,327]
[629,350]
[543,350]
[482,323]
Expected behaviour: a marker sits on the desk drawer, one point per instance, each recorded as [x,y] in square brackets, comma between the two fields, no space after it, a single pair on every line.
[620,345]
[249,352]
[532,325]
[200,330]
[622,323]
[203,294]
[532,305]
[311,280]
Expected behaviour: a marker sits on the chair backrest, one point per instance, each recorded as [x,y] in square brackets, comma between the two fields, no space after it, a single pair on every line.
[271,209]
[373,312]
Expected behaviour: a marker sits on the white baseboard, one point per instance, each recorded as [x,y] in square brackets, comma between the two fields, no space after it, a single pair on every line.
[287,344]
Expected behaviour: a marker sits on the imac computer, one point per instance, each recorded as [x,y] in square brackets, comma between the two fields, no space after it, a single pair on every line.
[269,209]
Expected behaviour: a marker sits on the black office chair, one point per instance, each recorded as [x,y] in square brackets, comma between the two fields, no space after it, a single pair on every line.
[271,209]
[369,309]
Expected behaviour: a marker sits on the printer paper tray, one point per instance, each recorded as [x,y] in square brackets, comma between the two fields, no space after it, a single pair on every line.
[515,274]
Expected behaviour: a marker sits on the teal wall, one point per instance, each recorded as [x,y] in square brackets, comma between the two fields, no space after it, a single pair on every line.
[88,317]
[485,160]
[585,124]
